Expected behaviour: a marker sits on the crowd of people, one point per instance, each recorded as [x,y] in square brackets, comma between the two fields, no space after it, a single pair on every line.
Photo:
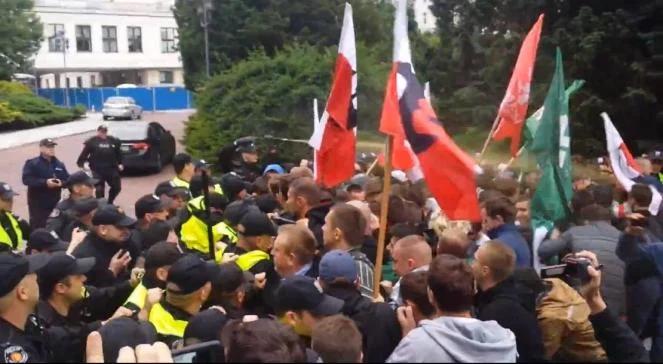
[289,274]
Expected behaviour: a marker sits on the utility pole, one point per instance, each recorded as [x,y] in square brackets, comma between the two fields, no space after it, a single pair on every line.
[203,10]
[64,42]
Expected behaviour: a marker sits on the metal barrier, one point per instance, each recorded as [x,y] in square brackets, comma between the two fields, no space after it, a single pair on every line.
[149,98]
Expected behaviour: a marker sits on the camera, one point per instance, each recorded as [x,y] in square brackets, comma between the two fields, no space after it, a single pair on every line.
[573,271]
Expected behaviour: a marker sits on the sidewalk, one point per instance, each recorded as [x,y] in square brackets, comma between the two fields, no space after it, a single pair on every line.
[16,138]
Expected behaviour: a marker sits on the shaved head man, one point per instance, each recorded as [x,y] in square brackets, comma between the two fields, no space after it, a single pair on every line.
[410,254]
[454,241]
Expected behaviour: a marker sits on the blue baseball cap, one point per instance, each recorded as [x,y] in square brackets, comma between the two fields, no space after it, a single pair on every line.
[336,265]
[274,168]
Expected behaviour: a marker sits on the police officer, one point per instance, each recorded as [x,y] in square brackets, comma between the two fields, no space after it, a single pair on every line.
[80,186]
[158,260]
[109,243]
[193,231]
[256,238]
[247,167]
[184,170]
[21,337]
[12,230]
[45,176]
[104,156]
[188,287]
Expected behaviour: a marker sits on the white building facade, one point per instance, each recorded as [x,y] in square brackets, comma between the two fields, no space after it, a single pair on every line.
[426,21]
[107,43]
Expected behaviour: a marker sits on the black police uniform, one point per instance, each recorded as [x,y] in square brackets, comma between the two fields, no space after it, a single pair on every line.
[61,217]
[41,199]
[22,346]
[104,156]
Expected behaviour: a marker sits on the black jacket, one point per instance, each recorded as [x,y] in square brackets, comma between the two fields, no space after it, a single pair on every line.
[35,173]
[19,346]
[503,303]
[377,323]
[67,337]
[61,217]
[103,251]
[618,341]
[316,220]
[102,154]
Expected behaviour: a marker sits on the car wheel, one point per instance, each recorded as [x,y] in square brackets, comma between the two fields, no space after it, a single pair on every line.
[105,117]
[140,116]
[133,116]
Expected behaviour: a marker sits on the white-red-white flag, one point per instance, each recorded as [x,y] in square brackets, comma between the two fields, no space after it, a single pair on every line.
[334,140]
[626,169]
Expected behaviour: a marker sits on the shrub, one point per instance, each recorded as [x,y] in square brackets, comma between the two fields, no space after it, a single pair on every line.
[21,109]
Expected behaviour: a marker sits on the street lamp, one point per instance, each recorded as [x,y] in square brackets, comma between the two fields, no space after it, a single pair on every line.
[64,43]
[203,10]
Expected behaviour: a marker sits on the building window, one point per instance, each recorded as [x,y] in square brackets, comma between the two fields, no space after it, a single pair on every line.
[135,39]
[93,81]
[83,38]
[54,43]
[166,77]
[109,38]
[168,40]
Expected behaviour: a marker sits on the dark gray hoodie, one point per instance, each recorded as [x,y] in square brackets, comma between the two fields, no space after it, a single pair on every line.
[456,340]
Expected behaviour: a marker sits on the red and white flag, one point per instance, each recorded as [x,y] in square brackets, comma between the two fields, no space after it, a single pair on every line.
[513,109]
[334,139]
[626,169]
[419,138]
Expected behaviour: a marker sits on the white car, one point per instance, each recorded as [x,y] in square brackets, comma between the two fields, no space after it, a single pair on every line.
[121,107]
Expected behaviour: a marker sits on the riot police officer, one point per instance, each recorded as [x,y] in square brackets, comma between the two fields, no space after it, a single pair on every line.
[12,230]
[21,335]
[81,186]
[241,158]
[104,156]
[45,176]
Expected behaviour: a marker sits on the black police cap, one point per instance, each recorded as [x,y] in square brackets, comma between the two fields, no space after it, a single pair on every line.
[14,267]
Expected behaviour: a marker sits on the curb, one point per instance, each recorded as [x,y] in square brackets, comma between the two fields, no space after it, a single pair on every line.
[28,136]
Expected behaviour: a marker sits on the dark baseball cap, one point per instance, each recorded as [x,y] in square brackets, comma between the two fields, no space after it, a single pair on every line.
[233,185]
[169,189]
[299,293]
[86,205]
[228,278]
[256,223]
[46,240]
[6,191]
[48,142]
[246,146]
[14,267]
[112,215]
[61,266]
[206,325]
[80,178]
[148,204]
[162,254]
[125,331]
[201,163]
[338,265]
[236,210]
[190,273]
[103,127]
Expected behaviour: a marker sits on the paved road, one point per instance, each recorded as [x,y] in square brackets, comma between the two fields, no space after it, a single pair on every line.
[68,149]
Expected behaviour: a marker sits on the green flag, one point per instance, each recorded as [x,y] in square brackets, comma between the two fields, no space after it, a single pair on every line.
[551,146]
[532,122]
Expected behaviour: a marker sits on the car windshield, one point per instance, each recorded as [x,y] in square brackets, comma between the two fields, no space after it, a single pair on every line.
[117,100]
[128,131]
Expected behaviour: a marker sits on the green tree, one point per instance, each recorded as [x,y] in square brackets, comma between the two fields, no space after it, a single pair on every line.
[615,45]
[20,36]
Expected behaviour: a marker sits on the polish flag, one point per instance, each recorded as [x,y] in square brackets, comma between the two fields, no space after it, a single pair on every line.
[626,169]
[334,138]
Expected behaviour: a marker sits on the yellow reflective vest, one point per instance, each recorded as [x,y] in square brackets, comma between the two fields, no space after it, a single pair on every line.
[165,323]
[178,182]
[138,297]
[193,232]
[247,260]
[4,236]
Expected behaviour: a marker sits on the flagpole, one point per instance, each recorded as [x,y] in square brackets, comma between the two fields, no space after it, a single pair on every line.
[384,210]
[372,167]
[513,159]
[490,135]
